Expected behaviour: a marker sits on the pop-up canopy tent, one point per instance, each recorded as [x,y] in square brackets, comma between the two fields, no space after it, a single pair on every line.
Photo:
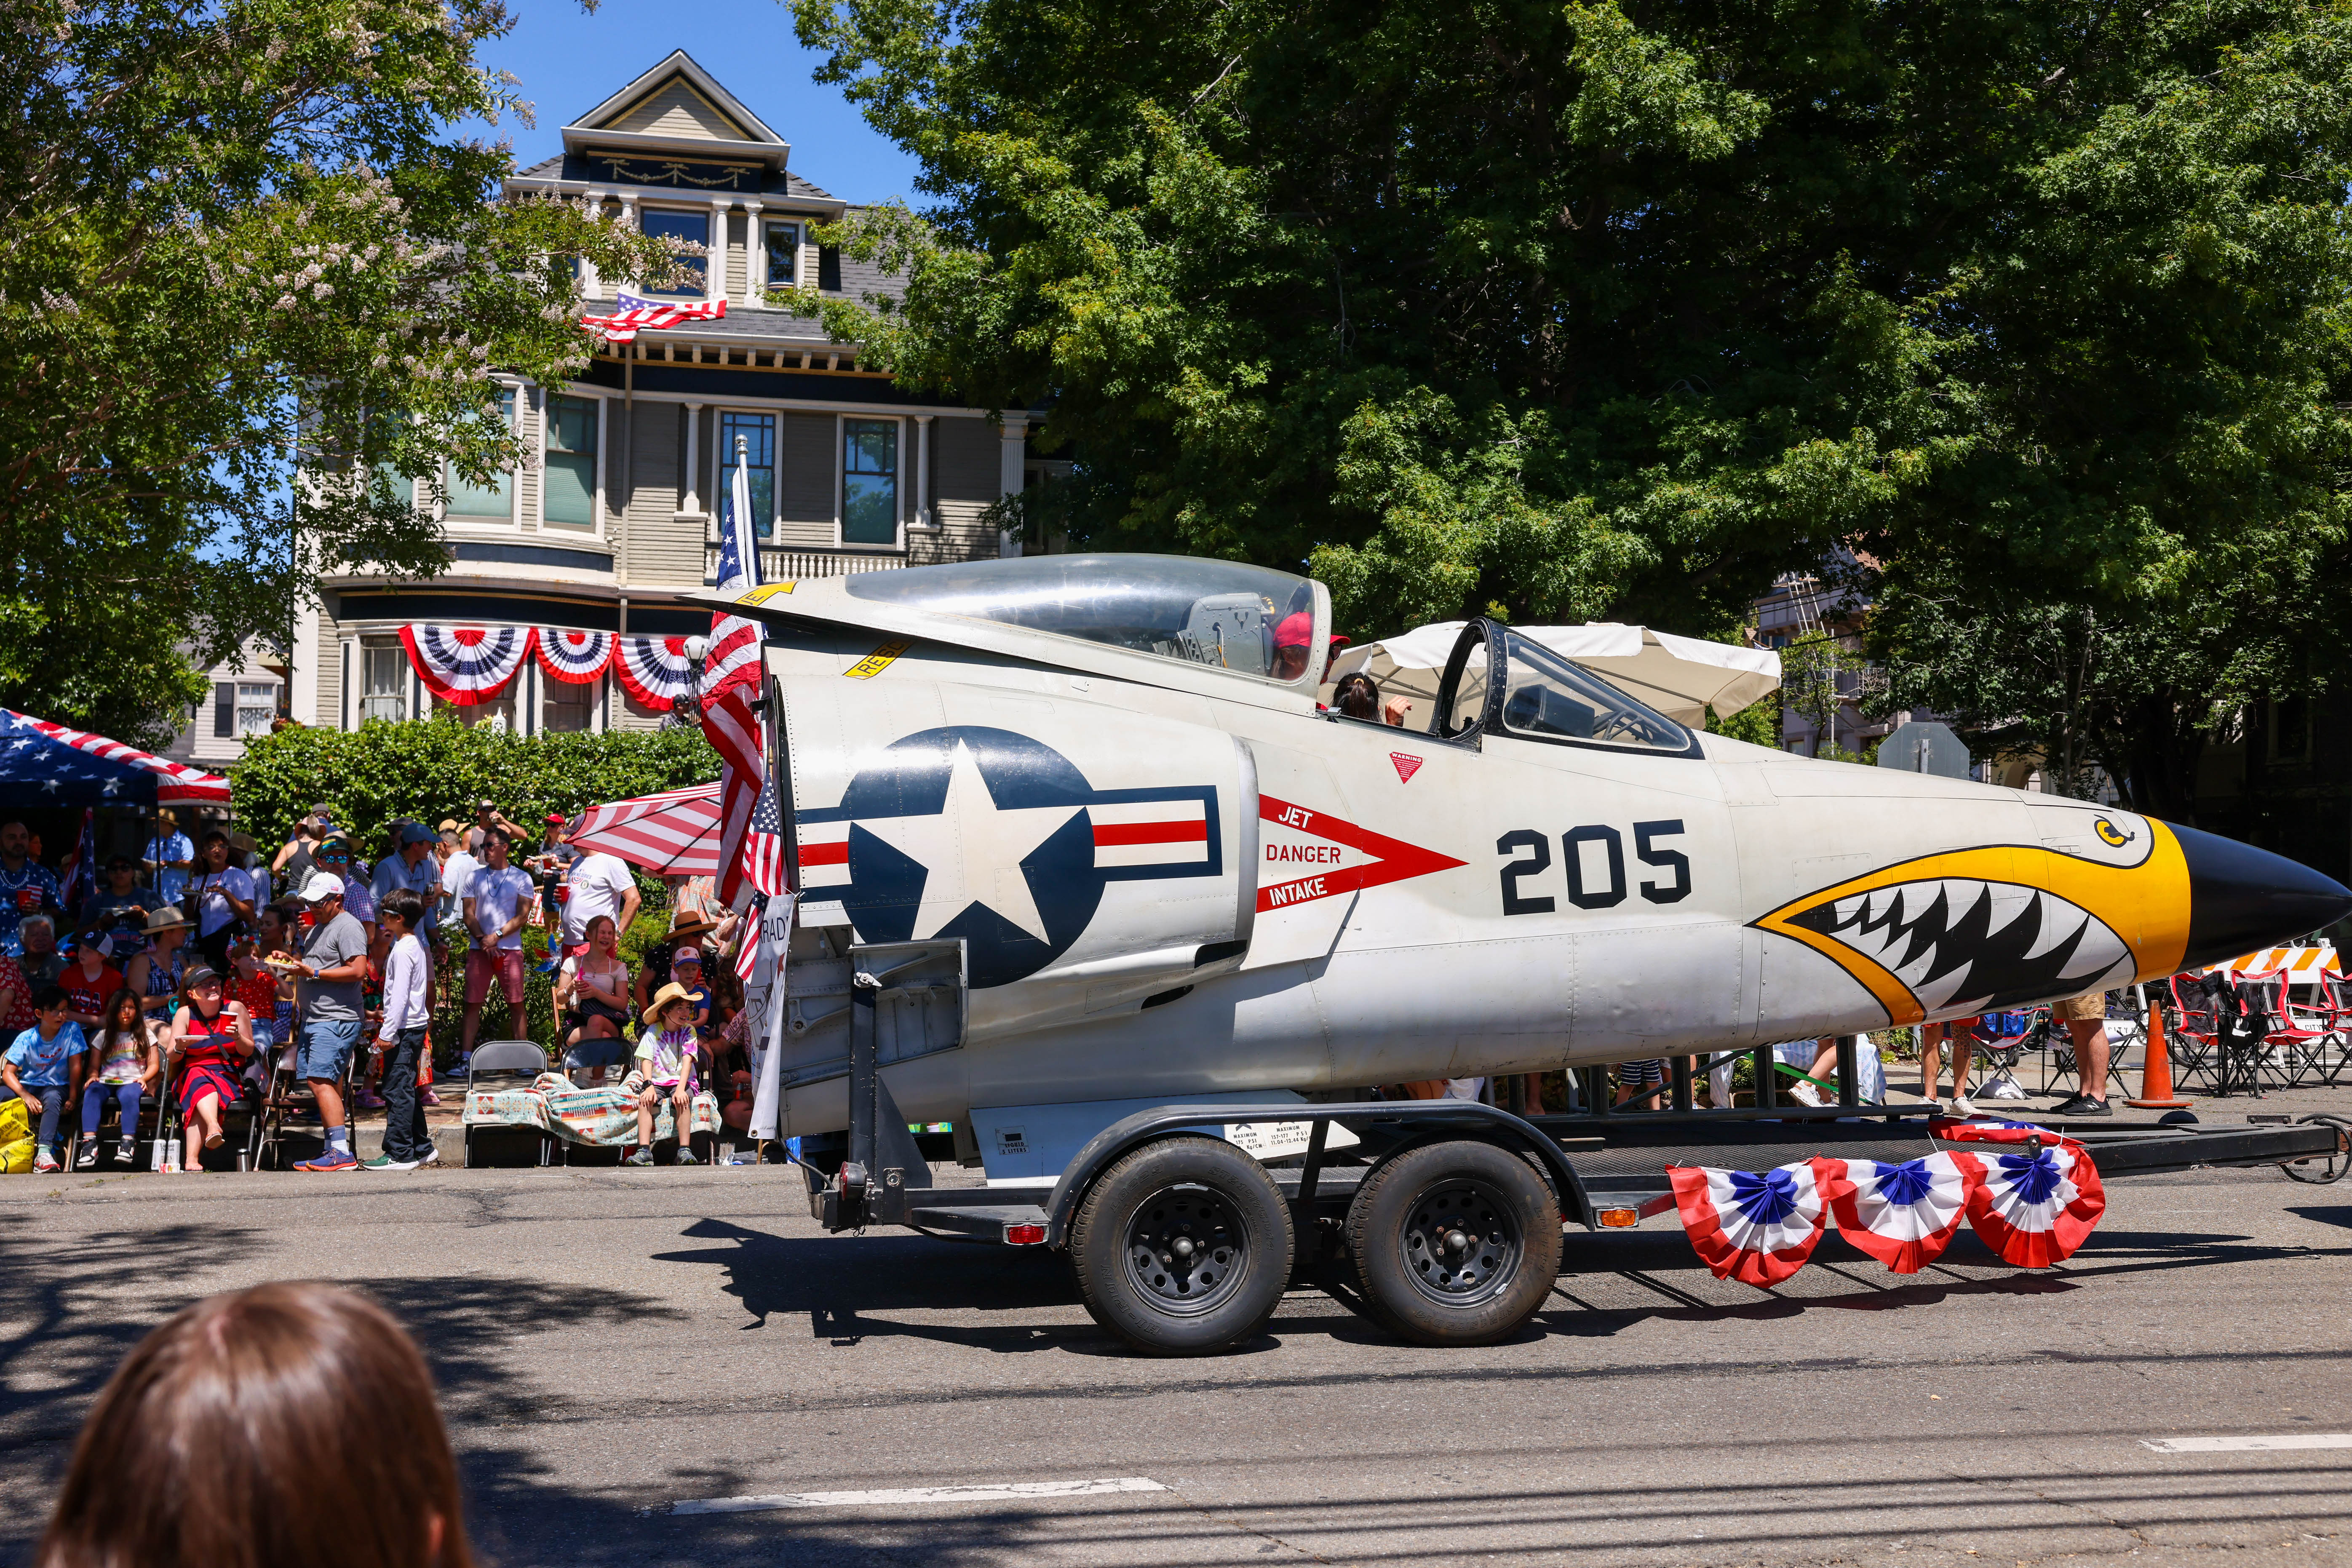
[45,764]
[1680,676]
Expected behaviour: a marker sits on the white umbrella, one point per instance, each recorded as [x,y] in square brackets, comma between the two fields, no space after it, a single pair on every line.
[1680,676]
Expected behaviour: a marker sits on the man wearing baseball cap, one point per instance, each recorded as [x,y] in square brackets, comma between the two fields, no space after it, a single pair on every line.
[329,974]
[410,866]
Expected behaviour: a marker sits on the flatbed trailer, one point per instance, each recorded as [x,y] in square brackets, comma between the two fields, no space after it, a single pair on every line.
[1451,1212]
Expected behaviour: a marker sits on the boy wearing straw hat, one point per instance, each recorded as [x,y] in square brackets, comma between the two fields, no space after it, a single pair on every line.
[666,1057]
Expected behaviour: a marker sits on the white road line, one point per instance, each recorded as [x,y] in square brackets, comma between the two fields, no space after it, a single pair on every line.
[904,1497]
[2248,1444]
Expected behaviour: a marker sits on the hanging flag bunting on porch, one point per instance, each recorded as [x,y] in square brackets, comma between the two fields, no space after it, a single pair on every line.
[1755,1226]
[2035,1208]
[576,657]
[466,665]
[1902,1215]
[655,671]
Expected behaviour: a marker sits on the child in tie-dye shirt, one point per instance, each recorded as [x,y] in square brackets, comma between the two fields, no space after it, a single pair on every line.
[666,1063]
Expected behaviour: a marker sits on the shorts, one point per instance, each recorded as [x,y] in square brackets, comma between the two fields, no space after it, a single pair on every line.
[1642,1074]
[505,963]
[326,1049]
[2080,1009]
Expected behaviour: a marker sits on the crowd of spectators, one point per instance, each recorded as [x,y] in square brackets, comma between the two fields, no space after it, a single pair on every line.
[203,975]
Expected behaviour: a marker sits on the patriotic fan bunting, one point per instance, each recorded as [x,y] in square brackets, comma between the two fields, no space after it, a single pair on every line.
[1986,1130]
[655,671]
[1902,1215]
[466,665]
[2034,1209]
[574,658]
[1755,1226]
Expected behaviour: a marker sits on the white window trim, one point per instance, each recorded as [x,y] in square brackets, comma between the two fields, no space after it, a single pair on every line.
[723,464]
[841,473]
[708,215]
[476,526]
[800,239]
[595,529]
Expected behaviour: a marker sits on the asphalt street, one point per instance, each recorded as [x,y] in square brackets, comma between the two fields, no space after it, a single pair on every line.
[614,1343]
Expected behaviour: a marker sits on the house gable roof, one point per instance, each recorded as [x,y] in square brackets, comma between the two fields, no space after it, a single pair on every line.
[678,107]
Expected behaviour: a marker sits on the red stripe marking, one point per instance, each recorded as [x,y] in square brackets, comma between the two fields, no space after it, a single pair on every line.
[1111,832]
[825,853]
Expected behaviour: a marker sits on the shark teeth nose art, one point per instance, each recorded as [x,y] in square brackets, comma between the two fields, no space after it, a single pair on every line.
[1964,944]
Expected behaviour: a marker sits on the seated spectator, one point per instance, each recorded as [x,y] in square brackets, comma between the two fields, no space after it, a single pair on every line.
[27,887]
[41,961]
[117,915]
[685,928]
[255,986]
[16,999]
[89,980]
[155,974]
[686,970]
[43,1068]
[592,996]
[667,1059]
[123,1064]
[212,1036]
[289,1426]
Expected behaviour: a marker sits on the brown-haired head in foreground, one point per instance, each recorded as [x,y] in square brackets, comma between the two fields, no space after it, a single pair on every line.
[284,1427]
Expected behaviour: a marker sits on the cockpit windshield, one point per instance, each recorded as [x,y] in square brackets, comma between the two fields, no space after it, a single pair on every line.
[1251,619]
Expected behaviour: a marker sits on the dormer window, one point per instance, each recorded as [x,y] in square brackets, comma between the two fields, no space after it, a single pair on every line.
[691,226]
[784,255]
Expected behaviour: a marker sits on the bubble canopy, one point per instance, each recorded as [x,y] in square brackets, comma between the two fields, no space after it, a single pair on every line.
[1252,620]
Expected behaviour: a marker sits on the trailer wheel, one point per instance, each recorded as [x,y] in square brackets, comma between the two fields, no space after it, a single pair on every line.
[1182,1247]
[1456,1244]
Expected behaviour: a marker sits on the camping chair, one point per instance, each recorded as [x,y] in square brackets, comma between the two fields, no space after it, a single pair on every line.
[109,1129]
[2201,1004]
[2284,1042]
[496,1060]
[2330,1011]
[284,1094]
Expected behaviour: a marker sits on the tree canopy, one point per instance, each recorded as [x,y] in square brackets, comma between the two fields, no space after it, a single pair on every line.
[232,233]
[1566,308]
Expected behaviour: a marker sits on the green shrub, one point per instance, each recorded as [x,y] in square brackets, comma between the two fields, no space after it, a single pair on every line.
[435,768]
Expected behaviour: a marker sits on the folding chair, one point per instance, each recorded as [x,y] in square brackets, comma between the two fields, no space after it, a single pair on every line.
[2194,1034]
[109,1129]
[2281,1043]
[2329,1010]
[505,1060]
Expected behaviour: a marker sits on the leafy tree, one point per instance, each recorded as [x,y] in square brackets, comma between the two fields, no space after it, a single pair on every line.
[1562,307]
[234,232]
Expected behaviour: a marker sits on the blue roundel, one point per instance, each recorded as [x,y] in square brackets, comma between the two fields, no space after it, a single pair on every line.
[1045,879]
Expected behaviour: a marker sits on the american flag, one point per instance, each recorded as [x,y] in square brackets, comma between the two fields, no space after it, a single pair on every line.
[631,315]
[747,946]
[734,653]
[763,845]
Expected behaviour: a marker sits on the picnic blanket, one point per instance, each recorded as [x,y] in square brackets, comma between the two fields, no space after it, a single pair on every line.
[602,1117]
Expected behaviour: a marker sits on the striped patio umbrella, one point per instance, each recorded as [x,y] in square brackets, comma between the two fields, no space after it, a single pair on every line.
[673,833]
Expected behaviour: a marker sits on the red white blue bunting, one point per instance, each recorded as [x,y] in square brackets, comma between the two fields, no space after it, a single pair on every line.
[1992,1130]
[654,670]
[574,658]
[2036,1207]
[1756,1227]
[466,665]
[1902,1215]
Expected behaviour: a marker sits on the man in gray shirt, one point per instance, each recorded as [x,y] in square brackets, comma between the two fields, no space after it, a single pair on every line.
[330,971]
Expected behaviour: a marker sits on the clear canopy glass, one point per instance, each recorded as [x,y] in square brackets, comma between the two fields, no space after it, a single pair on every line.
[1250,619]
[1548,697]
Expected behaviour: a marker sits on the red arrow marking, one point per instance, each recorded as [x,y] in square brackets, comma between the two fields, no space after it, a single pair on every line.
[1394,860]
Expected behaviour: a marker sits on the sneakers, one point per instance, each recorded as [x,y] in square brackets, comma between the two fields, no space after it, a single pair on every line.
[686,1156]
[332,1160]
[85,1157]
[127,1152]
[431,1156]
[2081,1105]
[386,1162]
[641,1157]
[1804,1093]
[1960,1105]
[46,1162]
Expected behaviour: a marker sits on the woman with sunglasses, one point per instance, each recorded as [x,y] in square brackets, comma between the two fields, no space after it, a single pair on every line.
[210,1040]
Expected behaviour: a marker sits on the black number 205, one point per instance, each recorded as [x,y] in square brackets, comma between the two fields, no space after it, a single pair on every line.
[1594,858]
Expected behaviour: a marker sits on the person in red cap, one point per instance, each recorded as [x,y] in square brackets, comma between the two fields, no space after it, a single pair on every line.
[1292,639]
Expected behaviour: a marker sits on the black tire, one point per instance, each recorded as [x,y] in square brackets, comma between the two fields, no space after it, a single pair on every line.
[1182,1247]
[1456,1244]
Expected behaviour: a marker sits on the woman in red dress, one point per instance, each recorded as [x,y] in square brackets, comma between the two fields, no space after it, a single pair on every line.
[211,1039]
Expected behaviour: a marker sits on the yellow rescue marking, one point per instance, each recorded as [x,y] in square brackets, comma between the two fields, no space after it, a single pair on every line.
[880,659]
[762,595]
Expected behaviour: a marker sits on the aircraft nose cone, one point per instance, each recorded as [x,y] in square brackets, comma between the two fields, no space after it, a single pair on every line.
[2241,897]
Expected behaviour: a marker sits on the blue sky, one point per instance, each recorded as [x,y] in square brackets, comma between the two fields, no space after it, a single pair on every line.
[569,62]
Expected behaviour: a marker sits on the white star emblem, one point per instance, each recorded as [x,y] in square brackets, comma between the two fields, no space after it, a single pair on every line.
[972,850]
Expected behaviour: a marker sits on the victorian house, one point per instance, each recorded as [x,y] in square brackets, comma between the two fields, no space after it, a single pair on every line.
[614,518]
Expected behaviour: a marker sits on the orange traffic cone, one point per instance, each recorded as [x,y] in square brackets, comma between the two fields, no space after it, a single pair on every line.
[2156,1072]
